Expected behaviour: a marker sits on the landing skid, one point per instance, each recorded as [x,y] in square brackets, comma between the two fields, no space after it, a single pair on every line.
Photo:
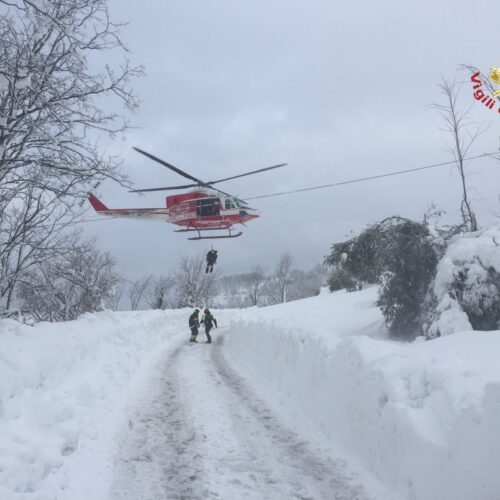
[200,237]
[215,237]
[204,229]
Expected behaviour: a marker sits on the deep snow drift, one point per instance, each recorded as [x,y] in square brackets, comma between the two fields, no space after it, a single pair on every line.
[63,388]
[422,418]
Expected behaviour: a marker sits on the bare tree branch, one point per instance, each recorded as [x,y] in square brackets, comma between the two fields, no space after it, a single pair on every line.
[278,286]
[158,295]
[194,286]
[463,133]
[137,291]
[256,285]
[77,279]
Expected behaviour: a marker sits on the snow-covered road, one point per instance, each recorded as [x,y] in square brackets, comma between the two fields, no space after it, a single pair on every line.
[301,400]
[200,431]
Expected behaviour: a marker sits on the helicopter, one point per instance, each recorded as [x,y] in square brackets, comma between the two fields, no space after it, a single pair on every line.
[204,208]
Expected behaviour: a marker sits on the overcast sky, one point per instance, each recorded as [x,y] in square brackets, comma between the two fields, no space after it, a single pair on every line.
[339,90]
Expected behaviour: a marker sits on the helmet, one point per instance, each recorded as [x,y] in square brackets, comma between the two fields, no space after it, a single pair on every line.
[197,311]
[206,310]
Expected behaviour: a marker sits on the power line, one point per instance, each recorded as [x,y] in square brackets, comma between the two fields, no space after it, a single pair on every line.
[324,186]
[72,223]
[93,220]
[362,179]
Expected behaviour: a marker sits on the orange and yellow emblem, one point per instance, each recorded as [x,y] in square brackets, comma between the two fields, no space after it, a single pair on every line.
[495,78]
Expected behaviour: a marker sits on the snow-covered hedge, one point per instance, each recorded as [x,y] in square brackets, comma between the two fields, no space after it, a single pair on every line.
[466,289]
[63,387]
[422,417]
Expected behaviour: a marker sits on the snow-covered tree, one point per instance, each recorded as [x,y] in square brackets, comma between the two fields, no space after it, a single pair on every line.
[255,285]
[115,297]
[51,90]
[159,292]
[400,255]
[78,279]
[278,286]
[359,256]
[137,291]
[194,286]
[409,263]
[257,288]
[32,229]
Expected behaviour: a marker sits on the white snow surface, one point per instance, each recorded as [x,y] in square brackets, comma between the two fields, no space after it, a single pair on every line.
[302,400]
[63,387]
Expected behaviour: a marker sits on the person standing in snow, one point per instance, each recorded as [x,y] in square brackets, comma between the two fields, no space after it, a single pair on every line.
[211,260]
[194,324]
[208,320]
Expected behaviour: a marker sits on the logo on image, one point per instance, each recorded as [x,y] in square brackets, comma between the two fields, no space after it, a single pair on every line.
[480,92]
[495,78]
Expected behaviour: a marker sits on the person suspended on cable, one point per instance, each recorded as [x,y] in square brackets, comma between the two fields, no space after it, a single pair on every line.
[211,260]
[194,324]
[208,319]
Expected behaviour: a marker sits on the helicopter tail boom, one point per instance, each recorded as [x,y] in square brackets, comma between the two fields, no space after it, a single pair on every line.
[97,204]
[162,214]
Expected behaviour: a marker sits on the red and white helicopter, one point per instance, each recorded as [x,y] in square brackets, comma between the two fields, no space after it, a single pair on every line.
[205,208]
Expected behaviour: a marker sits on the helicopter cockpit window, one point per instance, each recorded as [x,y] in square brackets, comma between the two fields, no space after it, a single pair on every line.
[230,204]
[207,207]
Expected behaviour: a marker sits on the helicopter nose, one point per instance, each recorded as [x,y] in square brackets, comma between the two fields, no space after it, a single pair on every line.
[246,216]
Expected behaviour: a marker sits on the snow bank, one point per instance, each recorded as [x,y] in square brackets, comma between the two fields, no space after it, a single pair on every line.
[62,389]
[339,312]
[422,417]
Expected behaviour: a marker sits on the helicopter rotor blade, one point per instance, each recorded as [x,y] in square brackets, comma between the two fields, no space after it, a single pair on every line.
[168,165]
[198,182]
[166,188]
[247,173]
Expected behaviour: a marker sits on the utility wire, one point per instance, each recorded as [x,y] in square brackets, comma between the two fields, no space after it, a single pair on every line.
[324,186]
[72,223]
[94,220]
[362,179]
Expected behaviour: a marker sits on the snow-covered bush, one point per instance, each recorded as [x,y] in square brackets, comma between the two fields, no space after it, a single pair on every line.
[401,256]
[409,262]
[466,290]
[307,283]
[340,279]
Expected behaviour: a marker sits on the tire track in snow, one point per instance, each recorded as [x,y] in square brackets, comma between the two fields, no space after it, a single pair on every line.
[306,474]
[283,464]
[201,432]
[159,456]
